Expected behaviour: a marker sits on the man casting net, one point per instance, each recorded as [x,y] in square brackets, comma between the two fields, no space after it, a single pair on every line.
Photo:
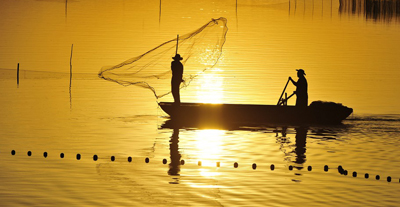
[200,50]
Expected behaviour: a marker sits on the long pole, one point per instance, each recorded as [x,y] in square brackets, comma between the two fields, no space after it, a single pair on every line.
[18,74]
[70,77]
[66,8]
[237,15]
[159,15]
[70,65]
[283,92]
[177,41]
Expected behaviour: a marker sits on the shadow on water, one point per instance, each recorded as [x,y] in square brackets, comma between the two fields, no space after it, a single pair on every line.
[299,151]
[377,10]
[294,151]
[175,165]
[301,140]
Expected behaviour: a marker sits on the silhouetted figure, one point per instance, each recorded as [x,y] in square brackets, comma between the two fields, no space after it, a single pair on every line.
[301,88]
[177,72]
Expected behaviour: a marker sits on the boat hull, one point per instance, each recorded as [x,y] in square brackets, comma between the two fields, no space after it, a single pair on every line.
[316,113]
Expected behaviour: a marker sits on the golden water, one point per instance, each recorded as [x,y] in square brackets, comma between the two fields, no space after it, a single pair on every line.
[348,57]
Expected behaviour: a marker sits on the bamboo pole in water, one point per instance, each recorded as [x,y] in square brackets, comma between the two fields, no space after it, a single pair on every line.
[159,15]
[70,75]
[66,8]
[18,74]
[70,65]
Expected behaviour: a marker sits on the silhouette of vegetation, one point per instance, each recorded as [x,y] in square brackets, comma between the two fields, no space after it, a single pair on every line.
[377,10]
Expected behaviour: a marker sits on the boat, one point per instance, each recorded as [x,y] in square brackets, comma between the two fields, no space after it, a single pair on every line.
[318,112]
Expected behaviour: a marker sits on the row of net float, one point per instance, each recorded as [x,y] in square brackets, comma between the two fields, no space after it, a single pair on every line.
[341,170]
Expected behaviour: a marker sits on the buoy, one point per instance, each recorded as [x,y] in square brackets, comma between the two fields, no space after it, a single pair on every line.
[326,168]
[129,159]
[354,174]
[366,175]
[147,160]
[340,169]
[389,179]
[199,163]
[95,157]
[164,161]
[12,152]
[309,168]
[182,162]
[45,154]
[218,164]
[112,158]
[254,166]
[290,167]
[272,167]
[78,156]
[377,177]
[29,153]
[62,155]
[235,165]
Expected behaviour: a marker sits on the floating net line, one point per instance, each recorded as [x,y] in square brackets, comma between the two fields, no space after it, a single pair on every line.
[200,49]
[177,163]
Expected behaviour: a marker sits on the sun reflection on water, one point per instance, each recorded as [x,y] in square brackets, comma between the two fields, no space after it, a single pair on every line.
[209,146]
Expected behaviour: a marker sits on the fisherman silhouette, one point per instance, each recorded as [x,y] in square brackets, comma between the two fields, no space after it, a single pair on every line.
[301,88]
[177,72]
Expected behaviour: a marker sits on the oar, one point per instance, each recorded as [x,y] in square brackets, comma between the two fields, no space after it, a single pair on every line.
[283,92]
[287,98]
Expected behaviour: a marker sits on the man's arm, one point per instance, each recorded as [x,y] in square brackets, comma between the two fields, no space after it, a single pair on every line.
[294,82]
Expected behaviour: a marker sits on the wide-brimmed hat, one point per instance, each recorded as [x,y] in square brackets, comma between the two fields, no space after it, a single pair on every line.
[301,71]
[177,57]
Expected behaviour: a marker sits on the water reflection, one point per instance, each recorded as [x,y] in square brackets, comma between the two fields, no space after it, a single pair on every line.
[300,150]
[377,10]
[209,144]
[175,156]
[300,145]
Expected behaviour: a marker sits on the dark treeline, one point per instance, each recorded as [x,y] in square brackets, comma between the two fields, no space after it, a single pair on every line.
[378,10]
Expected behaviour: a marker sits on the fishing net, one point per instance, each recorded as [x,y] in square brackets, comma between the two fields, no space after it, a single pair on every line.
[200,49]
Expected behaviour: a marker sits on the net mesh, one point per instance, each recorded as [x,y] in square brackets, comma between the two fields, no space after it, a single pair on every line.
[200,49]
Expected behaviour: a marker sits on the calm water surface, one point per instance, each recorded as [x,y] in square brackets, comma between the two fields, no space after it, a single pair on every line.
[349,57]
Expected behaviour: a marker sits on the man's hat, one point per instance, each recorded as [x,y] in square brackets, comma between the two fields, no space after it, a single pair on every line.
[301,71]
[177,57]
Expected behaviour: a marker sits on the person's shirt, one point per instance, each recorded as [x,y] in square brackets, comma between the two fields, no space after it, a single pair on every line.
[177,70]
[301,87]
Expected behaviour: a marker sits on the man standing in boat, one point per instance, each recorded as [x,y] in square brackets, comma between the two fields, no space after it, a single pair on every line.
[301,88]
[177,72]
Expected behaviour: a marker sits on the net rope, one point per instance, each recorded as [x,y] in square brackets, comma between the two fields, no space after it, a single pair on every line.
[200,49]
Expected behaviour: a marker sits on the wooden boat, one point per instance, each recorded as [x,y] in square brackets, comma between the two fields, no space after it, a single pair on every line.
[317,112]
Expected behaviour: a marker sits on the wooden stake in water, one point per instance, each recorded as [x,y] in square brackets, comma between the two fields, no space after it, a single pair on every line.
[159,15]
[66,8]
[18,74]
[70,61]
[70,76]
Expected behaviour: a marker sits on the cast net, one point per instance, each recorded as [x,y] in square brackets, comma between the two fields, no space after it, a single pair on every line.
[200,49]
